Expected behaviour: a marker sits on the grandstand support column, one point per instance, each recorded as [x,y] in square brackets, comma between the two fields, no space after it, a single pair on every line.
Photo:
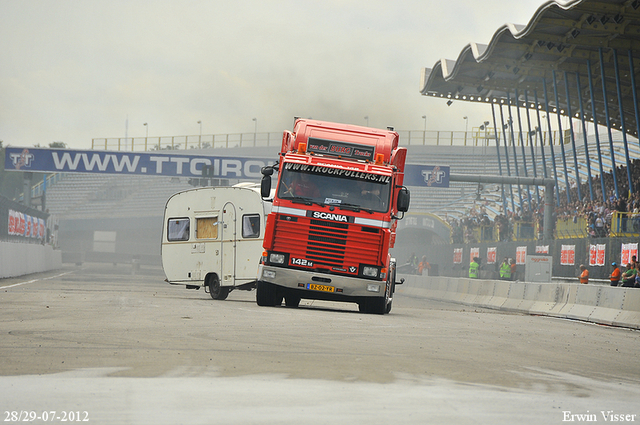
[497,137]
[567,184]
[584,134]
[506,154]
[548,183]
[634,90]
[608,123]
[26,187]
[522,142]
[573,137]
[553,154]
[595,130]
[513,144]
[548,211]
[623,126]
[530,134]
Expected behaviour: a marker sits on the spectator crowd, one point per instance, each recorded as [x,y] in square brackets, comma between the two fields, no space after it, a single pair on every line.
[597,213]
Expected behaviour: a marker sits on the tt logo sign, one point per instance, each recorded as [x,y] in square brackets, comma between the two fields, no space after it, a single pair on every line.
[22,159]
[434,176]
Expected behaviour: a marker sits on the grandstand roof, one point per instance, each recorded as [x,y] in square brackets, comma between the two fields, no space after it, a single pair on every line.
[565,38]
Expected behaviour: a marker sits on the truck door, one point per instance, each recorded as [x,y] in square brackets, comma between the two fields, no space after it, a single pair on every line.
[229,244]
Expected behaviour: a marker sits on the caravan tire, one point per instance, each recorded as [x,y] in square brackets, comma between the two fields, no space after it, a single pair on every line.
[216,291]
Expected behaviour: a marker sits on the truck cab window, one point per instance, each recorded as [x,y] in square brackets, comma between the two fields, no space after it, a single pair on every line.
[251,226]
[207,228]
[329,187]
[178,229]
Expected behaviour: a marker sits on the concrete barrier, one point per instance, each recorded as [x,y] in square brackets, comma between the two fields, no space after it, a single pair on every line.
[19,259]
[543,297]
[515,297]
[610,305]
[593,303]
[630,308]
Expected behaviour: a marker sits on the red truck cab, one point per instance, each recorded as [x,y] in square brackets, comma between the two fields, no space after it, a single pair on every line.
[334,216]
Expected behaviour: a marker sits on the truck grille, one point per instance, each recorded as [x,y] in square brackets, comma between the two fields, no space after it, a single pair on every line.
[327,243]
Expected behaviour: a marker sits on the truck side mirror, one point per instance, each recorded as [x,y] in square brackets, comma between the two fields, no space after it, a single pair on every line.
[265,183]
[404,198]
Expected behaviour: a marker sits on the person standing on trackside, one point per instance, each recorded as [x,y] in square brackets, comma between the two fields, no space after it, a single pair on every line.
[505,269]
[584,276]
[474,268]
[615,275]
[514,269]
[629,276]
[423,265]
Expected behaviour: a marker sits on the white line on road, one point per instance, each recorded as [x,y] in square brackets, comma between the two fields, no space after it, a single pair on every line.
[34,280]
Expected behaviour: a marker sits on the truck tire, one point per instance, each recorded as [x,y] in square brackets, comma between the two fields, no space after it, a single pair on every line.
[378,305]
[216,291]
[373,305]
[266,294]
[292,300]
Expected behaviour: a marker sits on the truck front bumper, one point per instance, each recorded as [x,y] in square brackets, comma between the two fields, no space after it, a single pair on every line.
[315,285]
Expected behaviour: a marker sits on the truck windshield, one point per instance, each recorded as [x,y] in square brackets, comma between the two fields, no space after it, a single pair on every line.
[356,191]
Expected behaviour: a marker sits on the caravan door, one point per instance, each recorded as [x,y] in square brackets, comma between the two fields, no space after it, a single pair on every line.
[229,242]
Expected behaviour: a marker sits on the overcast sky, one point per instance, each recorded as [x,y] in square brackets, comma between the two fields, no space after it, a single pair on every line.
[73,70]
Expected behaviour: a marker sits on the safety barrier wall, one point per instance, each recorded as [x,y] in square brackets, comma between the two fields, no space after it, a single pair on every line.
[18,259]
[592,303]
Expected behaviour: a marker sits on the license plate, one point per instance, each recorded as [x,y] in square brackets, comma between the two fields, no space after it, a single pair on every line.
[321,288]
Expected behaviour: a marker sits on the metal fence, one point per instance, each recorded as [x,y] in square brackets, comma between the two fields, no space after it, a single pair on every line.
[475,137]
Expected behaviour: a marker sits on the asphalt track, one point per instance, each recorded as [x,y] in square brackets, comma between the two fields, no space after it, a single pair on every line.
[122,348]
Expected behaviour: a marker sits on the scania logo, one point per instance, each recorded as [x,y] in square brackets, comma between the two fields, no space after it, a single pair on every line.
[330,216]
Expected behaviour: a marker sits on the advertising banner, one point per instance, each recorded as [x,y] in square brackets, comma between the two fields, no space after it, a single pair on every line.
[426,175]
[627,251]
[567,255]
[157,163]
[474,252]
[25,225]
[542,249]
[491,255]
[457,256]
[521,254]
[600,254]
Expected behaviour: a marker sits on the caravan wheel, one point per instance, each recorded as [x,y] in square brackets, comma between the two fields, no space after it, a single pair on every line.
[216,291]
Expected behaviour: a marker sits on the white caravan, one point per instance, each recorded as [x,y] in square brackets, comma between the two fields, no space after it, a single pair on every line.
[212,238]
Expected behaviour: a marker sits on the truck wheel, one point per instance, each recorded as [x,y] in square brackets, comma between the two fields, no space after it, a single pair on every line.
[266,294]
[389,304]
[291,300]
[377,305]
[374,305]
[216,291]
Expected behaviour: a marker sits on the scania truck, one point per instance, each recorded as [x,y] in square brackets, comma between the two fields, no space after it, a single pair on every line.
[334,215]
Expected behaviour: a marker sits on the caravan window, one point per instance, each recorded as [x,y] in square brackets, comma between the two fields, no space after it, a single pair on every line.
[207,228]
[178,229]
[251,226]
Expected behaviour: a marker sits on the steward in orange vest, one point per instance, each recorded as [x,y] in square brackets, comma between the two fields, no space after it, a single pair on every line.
[584,276]
[615,275]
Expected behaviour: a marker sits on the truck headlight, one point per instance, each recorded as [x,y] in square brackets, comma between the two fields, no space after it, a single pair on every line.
[275,258]
[268,274]
[370,271]
[373,288]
